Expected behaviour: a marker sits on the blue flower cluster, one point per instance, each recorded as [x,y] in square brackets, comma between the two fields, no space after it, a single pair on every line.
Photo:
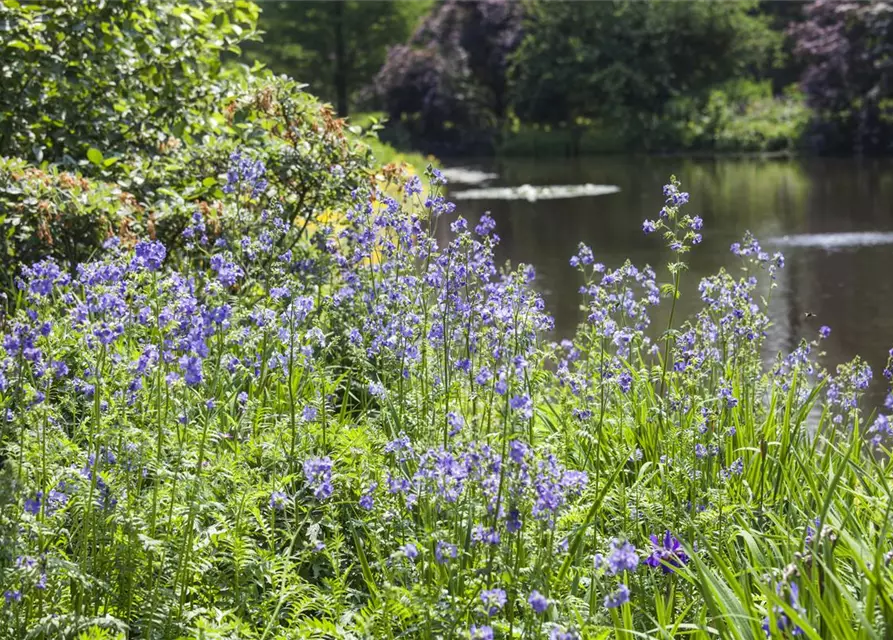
[349,406]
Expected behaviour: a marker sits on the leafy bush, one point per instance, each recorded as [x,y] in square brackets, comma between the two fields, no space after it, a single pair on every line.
[60,214]
[739,116]
[139,107]
[368,434]
[114,76]
[764,124]
[308,153]
[625,62]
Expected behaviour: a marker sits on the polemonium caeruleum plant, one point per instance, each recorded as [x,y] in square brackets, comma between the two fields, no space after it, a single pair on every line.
[353,431]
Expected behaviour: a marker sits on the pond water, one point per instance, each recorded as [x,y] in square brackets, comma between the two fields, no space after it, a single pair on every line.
[832,218]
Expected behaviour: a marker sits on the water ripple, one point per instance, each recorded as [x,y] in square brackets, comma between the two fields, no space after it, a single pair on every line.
[532,193]
[834,240]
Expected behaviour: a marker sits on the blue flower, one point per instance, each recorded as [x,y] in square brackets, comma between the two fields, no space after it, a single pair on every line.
[783,622]
[149,255]
[625,381]
[56,500]
[32,505]
[513,522]
[494,600]
[725,393]
[623,557]
[667,553]
[227,271]
[192,370]
[648,226]
[538,602]
[377,390]
[318,473]
[486,536]
[485,225]
[245,174]
[444,552]
[480,633]
[618,598]
[413,186]
[518,451]
[522,405]
[455,422]
[278,500]
[43,276]
[367,500]
[410,551]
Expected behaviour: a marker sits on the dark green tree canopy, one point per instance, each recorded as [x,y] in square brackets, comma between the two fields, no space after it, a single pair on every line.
[335,47]
[626,61]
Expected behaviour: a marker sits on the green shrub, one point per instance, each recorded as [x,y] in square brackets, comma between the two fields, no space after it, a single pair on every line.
[60,214]
[115,76]
[140,117]
[312,158]
[747,117]
[740,116]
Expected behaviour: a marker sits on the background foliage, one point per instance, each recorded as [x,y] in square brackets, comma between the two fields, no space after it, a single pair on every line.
[449,87]
[335,47]
[626,62]
[574,77]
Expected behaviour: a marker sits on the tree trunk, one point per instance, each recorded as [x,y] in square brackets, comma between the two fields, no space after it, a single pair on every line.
[340,60]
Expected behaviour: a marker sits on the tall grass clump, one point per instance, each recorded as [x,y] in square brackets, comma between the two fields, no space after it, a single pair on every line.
[353,430]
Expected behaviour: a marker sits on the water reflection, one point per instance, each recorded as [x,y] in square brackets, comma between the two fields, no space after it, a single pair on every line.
[847,285]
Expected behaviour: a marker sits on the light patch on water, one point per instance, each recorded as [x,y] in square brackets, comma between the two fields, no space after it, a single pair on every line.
[532,193]
[834,240]
[463,175]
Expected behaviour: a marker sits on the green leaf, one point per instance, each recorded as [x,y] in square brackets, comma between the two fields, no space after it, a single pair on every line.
[209,181]
[18,44]
[95,156]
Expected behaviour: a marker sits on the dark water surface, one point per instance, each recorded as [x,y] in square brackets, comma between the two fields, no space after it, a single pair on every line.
[832,218]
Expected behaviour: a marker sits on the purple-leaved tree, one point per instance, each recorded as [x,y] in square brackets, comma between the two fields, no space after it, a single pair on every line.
[448,84]
[848,51]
